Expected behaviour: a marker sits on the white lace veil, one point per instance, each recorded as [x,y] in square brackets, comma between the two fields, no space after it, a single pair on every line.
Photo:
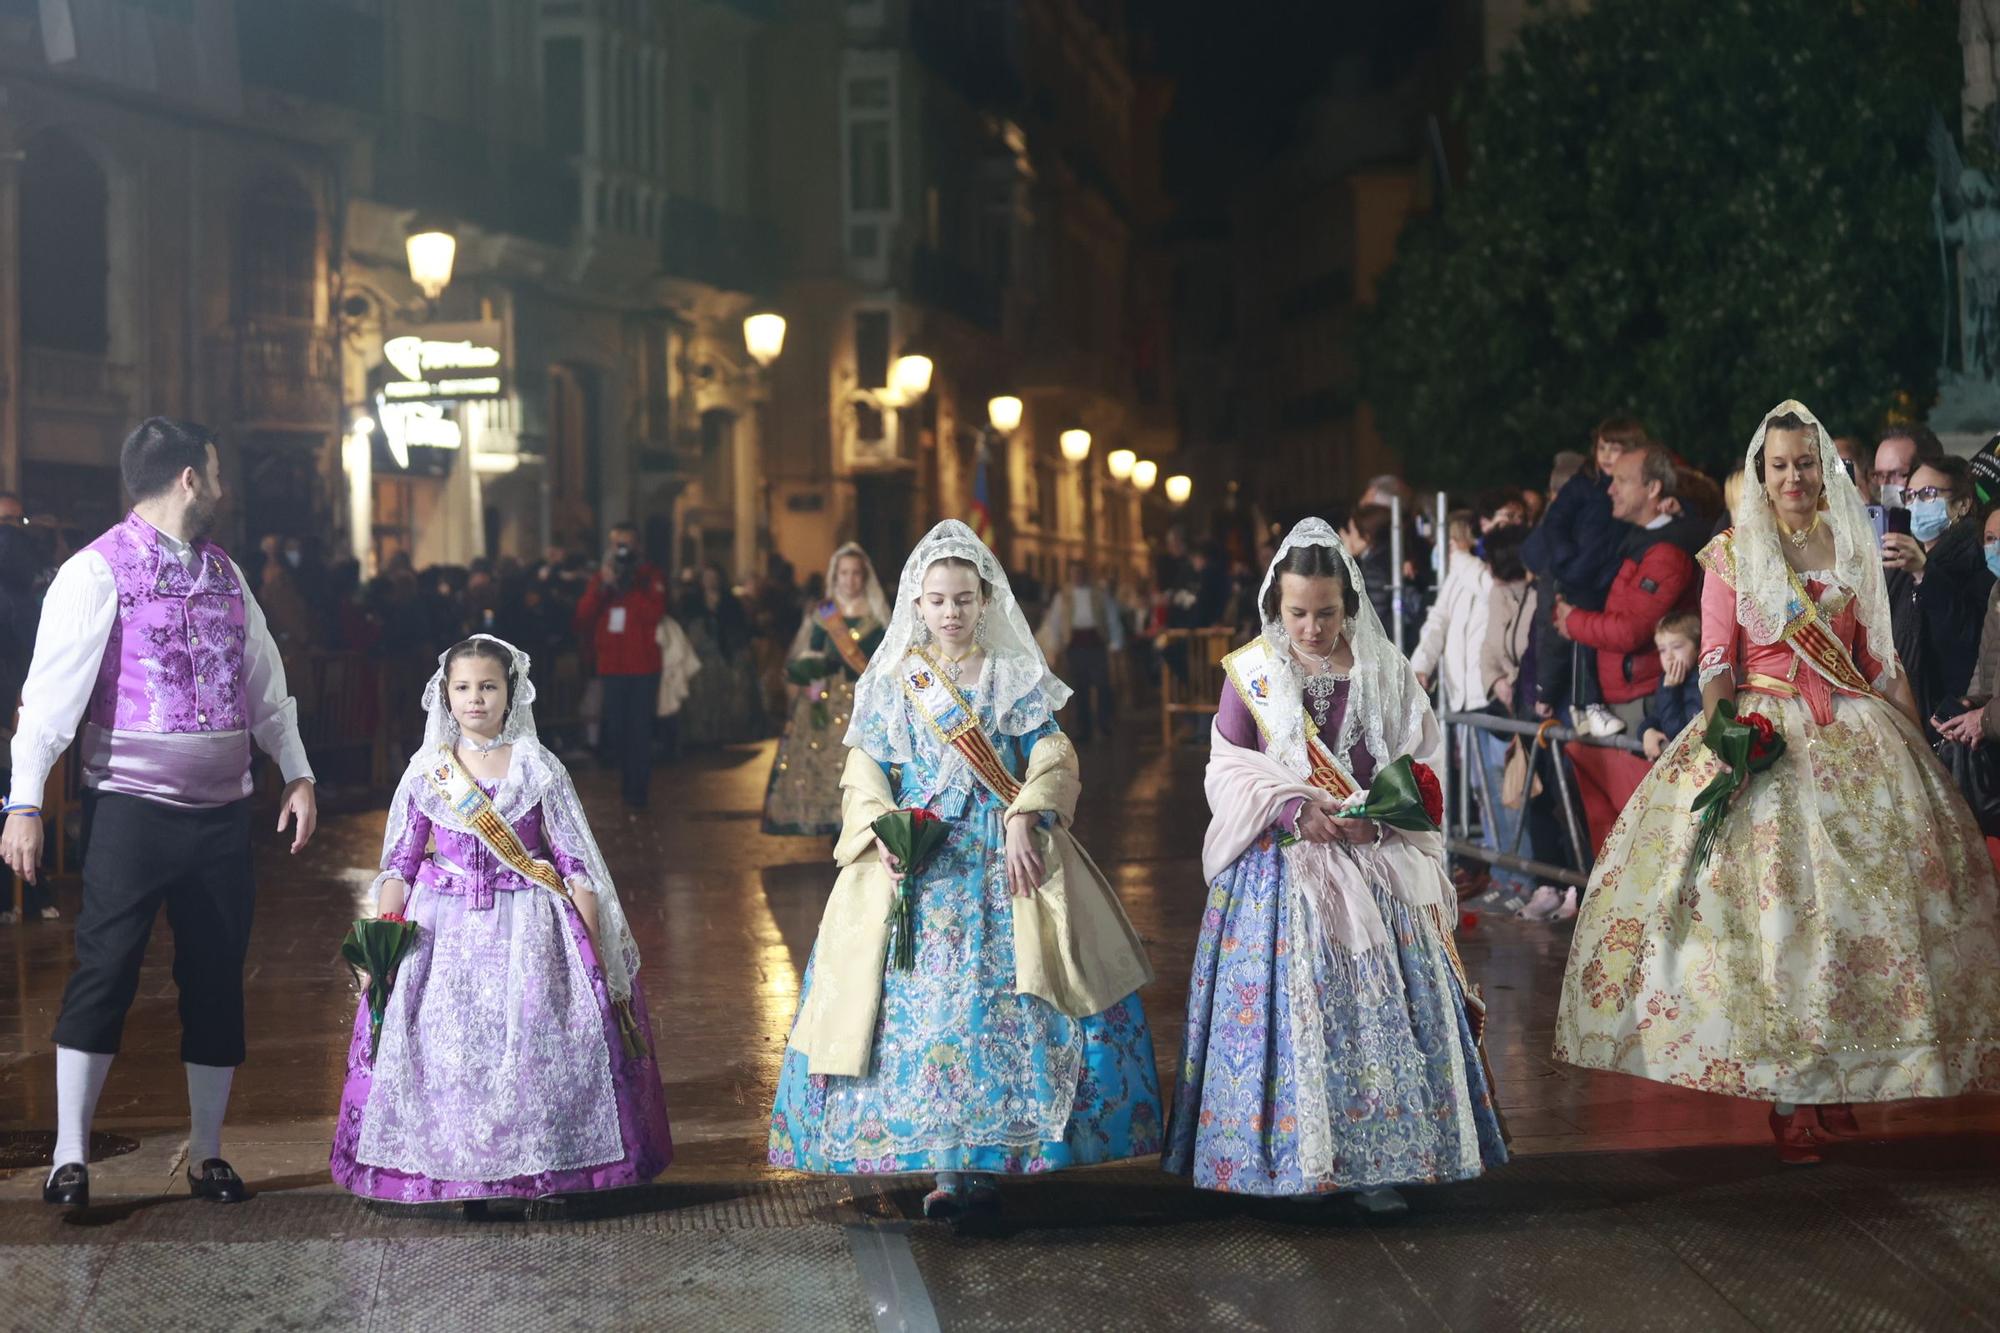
[1386,708]
[871,592]
[1017,684]
[1764,597]
[878,604]
[534,777]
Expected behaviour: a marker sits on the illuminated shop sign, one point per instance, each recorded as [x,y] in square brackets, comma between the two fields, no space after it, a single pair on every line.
[445,361]
[408,426]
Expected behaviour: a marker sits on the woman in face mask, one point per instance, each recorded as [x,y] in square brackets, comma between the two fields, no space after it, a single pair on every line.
[1942,555]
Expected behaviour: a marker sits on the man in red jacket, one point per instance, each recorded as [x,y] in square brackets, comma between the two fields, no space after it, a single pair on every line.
[1656,576]
[621,612]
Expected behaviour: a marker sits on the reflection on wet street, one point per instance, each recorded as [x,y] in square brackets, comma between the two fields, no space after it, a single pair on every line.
[1628,1202]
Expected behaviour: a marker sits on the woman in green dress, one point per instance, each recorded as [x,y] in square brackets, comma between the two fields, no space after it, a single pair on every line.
[829,654]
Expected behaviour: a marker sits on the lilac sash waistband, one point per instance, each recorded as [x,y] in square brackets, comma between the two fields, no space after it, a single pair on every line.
[198,769]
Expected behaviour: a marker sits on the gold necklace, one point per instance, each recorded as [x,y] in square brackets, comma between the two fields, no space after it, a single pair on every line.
[952,665]
[1803,535]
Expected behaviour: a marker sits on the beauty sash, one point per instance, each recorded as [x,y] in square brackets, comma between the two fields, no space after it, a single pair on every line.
[1251,671]
[468,802]
[451,781]
[939,703]
[846,641]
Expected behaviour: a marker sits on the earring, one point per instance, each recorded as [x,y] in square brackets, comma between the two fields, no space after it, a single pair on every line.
[979,630]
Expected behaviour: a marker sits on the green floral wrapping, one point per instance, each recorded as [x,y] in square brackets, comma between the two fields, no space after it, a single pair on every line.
[911,836]
[376,946]
[1405,795]
[1746,743]
[809,670]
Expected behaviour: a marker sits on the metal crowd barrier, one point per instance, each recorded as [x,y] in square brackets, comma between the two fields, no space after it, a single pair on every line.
[1460,830]
[1190,679]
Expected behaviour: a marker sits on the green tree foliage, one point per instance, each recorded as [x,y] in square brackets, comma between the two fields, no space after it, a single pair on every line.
[1686,209]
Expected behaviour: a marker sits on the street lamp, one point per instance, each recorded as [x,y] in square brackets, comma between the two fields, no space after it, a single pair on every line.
[1075,445]
[1120,462]
[910,377]
[1179,488]
[432,247]
[764,335]
[1144,473]
[1005,413]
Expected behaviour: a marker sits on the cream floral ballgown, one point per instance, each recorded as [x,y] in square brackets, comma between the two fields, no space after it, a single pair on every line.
[1841,943]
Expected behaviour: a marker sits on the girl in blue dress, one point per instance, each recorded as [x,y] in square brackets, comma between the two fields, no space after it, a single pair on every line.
[1016,1043]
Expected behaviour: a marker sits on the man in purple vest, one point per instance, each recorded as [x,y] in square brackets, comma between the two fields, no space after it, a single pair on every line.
[150,638]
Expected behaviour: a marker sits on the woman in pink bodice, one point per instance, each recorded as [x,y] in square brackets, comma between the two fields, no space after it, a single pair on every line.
[1841,943]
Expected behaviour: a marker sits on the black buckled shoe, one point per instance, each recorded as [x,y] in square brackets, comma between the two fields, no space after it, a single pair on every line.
[69,1187]
[218,1183]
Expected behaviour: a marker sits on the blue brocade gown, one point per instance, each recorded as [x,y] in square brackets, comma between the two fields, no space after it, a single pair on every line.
[966,1074]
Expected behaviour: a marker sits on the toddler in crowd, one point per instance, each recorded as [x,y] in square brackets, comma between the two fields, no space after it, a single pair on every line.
[1678,699]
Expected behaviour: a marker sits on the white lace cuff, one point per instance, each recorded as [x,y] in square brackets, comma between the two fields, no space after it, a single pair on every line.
[1709,673]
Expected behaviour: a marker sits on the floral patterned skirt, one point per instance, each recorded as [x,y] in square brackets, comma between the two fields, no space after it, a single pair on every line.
[1403,1096]
[1841,945]
[966,1074]
[803,797]
[477,1000]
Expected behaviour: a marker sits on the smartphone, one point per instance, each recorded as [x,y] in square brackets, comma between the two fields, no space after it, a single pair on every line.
[1876,516]
[1895,518]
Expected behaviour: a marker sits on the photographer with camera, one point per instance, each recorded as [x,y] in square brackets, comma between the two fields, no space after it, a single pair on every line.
[620,613]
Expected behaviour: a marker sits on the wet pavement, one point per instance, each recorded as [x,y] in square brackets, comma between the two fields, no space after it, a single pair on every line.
[1629,1203]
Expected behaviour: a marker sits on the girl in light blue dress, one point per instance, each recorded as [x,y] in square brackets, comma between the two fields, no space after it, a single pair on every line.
[980,1060]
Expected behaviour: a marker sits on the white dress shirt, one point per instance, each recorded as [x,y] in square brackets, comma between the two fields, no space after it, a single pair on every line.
[77,616]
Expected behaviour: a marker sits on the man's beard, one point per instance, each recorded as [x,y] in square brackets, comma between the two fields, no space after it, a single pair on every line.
[201,518]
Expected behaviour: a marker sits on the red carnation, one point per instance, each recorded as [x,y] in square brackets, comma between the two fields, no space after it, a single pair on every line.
[1766,733]
[921,816]
[392,916]
[1432,793]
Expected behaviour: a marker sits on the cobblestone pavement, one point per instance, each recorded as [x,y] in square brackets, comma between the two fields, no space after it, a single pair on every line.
[1630,1204]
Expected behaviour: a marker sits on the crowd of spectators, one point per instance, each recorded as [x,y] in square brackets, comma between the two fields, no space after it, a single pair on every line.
[1586,616]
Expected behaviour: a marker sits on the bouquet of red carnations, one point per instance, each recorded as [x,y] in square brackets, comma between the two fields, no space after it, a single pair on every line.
[1405,795]
[1746,743]
[376,946]
[911,836]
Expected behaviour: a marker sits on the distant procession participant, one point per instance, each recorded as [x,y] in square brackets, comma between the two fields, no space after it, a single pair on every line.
[829,653]
[150,638]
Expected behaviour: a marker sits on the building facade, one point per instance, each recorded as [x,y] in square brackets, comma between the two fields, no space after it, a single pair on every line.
[962,180]
[166,242]
[205,211]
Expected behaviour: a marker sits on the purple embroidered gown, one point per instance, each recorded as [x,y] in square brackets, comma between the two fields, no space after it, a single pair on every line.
[501,1072]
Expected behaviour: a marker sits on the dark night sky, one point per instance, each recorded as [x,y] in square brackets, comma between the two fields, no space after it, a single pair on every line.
[1245,70]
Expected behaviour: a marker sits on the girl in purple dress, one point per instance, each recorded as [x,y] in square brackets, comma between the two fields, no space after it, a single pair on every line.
[516,1058]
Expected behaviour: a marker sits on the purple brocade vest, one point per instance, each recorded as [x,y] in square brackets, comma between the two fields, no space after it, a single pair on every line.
[167,721]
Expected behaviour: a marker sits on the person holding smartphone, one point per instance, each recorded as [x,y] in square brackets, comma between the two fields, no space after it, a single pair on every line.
[1941,554]
[1899,453]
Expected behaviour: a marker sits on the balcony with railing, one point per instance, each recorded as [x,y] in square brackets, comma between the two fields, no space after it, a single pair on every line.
[280,376]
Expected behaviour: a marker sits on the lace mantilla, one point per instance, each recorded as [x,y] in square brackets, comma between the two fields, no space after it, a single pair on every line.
[535,777]
[1022,692]
[1754,559]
